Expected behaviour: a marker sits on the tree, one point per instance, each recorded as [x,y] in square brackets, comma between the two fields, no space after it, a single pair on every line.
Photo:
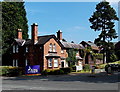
[103,20]
[72,41]
[13,18]
[71,59]
[64,40]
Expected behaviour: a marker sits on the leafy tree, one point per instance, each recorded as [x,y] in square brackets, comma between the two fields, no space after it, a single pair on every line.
[72,41]
[103,20]
[13,18]
[71,59]
[64,40]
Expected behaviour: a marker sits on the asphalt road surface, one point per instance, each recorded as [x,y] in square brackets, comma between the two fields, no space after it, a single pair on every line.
[100,81]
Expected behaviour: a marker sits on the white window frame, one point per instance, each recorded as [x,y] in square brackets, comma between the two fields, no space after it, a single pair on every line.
[50,62]
[55,62]
[17,48]
[13,48]
[54,48]
[26,62]
[15,63]
[26,49]
[50,47]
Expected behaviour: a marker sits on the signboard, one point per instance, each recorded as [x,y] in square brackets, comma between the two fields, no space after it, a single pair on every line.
[80,67]
[33,69]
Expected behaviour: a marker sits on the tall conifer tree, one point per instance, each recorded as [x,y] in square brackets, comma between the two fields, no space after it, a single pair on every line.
[103,20]
[13,18]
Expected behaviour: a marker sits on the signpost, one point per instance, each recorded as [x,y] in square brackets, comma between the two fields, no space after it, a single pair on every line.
[32,70]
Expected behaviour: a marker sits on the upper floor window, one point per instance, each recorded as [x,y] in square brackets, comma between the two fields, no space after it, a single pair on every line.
[50,47]
[50,62]
[15,48]
[26,49]
[54,48]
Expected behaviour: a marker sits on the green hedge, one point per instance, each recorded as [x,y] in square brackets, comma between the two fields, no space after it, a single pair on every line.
[66,70]
[11,71]
[56,71]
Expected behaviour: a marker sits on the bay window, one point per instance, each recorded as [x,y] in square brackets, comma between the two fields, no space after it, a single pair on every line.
[50,62]
[55,62]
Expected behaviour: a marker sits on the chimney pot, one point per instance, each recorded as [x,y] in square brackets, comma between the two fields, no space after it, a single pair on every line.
[19,33]
[59,34]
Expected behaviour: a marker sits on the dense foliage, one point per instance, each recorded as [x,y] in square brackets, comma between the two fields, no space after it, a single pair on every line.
[13,18]
[71,59]
[103,20]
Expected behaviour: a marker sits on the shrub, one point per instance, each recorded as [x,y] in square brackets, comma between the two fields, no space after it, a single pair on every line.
[86,67]
[66,70]
[52,72]
[74,68]
[11,71]
[58,72]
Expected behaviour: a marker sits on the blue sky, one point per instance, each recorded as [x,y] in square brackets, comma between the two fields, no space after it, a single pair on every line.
[70,17]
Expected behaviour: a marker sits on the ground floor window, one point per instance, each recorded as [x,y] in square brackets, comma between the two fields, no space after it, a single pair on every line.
[15,62]
[55,62]
[26,62]
[50,62]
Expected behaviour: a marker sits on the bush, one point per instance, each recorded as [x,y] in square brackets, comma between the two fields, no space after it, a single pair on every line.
[66,70]
[45,72]
[52,72]
[58,72]
[11,71]
[86,67]
[74,68]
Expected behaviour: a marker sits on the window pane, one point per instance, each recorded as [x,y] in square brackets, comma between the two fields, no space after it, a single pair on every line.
[14,49]
[16,63]
[54,48]
[26,62]
[55,62]
[50,62]
[26,49]
[50,47]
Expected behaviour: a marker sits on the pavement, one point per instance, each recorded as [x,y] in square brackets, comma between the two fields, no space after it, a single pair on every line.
[73,81]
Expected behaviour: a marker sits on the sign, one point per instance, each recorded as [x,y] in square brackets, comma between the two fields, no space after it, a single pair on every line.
[80,67]
[33,69]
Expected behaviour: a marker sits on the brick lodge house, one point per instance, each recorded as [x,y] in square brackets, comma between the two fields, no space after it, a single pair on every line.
[48,51]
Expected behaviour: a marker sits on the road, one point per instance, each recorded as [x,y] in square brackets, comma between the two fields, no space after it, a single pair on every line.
[62,82]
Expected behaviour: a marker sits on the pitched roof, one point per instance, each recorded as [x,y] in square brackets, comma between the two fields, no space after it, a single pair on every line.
[93,46]
[42,40]
[20,42]
[72,45]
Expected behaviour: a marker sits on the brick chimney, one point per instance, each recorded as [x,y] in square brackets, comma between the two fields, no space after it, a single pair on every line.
[19,33]
[59,34]
[34,32]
